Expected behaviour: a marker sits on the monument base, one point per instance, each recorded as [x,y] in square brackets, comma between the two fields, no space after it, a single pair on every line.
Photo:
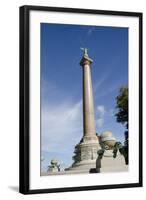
[88,166]
[110,164]
[85,155]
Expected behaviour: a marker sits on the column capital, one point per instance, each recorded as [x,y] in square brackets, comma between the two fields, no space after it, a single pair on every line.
[86,61]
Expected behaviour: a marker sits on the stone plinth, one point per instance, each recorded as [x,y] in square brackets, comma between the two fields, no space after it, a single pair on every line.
[110,164]
[85,154]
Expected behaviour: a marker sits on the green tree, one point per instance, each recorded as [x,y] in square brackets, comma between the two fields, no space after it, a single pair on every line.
[122,106]
[122,114]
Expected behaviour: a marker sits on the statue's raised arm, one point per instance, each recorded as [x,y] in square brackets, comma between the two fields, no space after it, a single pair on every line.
[85,51]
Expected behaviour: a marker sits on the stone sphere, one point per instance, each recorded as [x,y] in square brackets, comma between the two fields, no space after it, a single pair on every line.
[107,139]
[106,134]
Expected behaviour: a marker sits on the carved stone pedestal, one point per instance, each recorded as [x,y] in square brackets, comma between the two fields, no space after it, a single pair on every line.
[85,154]
[110,164]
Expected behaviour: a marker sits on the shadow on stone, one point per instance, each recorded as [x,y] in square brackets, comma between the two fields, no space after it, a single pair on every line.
[94,170]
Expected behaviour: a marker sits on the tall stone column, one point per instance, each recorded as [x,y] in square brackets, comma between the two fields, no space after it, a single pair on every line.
[86,150]
[88,105]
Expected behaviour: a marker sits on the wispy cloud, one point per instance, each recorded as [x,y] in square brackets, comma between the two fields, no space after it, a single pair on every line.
[107,91]
[84,40]
[101,110]
[103,115]
[103,86]
[90,31]
[100,82]
[61,123]
[100,122]
[100,115]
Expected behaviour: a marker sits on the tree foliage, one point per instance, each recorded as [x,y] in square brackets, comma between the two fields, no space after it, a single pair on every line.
[122,106]
[122,117]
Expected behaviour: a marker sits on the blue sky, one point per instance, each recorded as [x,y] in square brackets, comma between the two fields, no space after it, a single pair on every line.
[61,84]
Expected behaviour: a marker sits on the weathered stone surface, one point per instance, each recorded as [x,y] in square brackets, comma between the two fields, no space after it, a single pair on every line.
[107,139]
[54,167]
[110,164]
[86,151]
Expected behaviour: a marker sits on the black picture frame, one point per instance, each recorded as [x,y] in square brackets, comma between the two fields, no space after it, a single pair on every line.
[25,105]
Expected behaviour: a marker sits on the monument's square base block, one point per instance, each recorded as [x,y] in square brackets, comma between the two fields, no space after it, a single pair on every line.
[110,164]
[85,155]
